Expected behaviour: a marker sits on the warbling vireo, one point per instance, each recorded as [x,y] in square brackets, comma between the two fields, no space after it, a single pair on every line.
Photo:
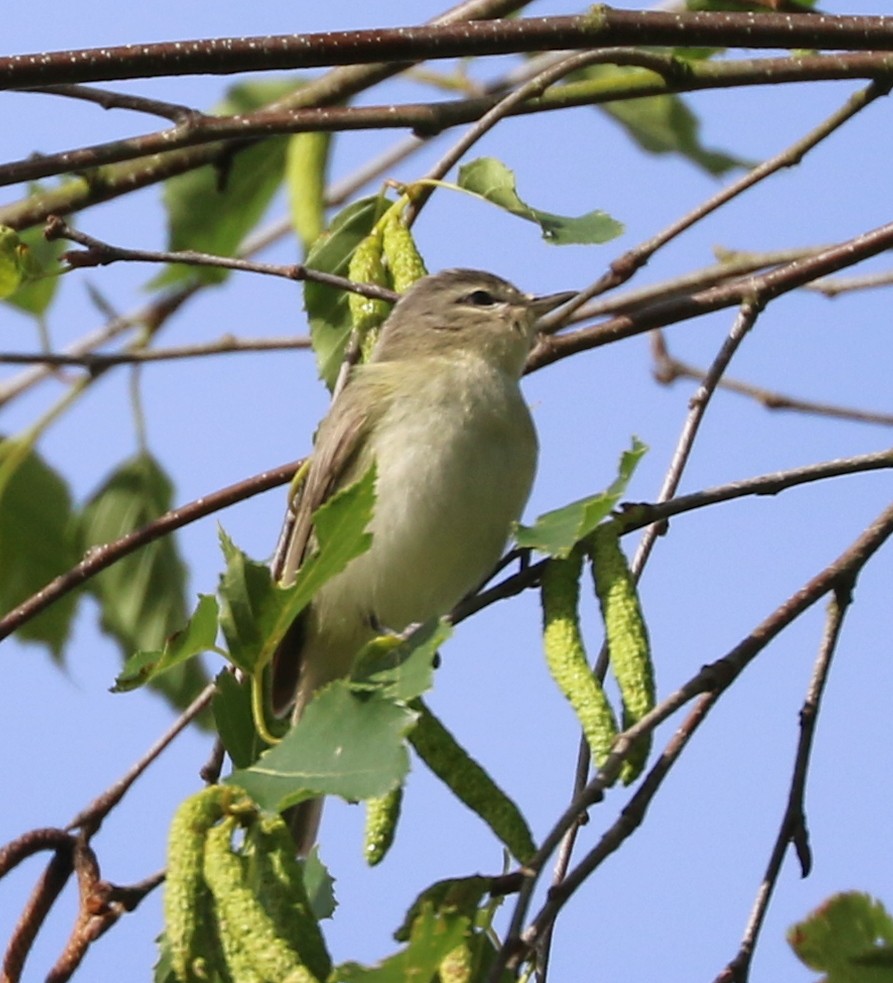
[439,409]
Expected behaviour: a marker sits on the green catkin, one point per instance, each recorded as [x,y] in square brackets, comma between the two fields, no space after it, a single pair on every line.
[405,263]
[457,965]
[190,927]
[367,314]
[382,814]
[277,878]
[252,945]
[628,649]
[452,764]
[566,654]
[305,178]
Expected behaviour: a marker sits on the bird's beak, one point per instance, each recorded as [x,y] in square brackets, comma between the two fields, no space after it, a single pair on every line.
[542,305]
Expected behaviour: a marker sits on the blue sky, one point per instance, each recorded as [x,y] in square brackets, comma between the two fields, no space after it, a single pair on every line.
[673,903]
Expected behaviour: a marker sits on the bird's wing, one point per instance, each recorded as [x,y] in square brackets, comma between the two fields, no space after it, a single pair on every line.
[332,467]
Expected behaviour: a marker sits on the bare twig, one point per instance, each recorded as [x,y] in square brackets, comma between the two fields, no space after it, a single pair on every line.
[99,253]
[640,515]
[100,557]
[668,369]
[603,27]
[94,361]
[124,100]
[764,288]
[793,829]
[708,684]
[834,286]
[48,887]
[661,74]
[626,266]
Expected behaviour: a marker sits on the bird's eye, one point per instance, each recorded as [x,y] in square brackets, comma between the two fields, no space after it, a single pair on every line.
[480,298]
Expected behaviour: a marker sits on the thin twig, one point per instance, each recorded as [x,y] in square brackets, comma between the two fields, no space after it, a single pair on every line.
[602,27]
[834,286]
[668,369]
[640,515]
[767,286]
[100,253]
[124,100]
[793,828]
[708,684]
[100,557]
[44,894]
[150,317]
[98,361]
[89,820]
[623,268]
[745,320]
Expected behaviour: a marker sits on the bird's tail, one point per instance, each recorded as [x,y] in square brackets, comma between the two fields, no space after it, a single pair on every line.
[303,820]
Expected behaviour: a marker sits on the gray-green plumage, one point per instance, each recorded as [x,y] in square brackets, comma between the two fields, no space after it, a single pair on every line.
[439,409]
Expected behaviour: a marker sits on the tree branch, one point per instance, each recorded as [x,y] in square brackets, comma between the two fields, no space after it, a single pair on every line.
[668,369]
[710,683]
[602,27]
[661,74]
[792,829]
[100,557]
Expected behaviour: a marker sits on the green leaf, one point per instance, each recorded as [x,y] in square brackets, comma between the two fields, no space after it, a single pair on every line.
[468,781]
[665,125]
[842,938]
[434,935]
[233,720]
[557,532]
[342,745]
[460,895]
[197,636]
[142,596]
[213,208]
[251,603]
[306,162]
[37,540]
[255,611]
[490,179]
[401,669]
[327,308]
[12,261]
[40,283]
[320,886]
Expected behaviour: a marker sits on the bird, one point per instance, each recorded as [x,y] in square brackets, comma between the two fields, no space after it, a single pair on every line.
[439,410]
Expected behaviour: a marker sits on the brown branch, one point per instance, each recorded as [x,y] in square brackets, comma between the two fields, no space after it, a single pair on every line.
[100,253]
[47,889]
[793,829]
[708,684]
[100,557]
[639,515]
[666,74]
[97,362]
[111,182]
[602,27]
[668,369]
[762,289]
[124,100]
[626,266]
